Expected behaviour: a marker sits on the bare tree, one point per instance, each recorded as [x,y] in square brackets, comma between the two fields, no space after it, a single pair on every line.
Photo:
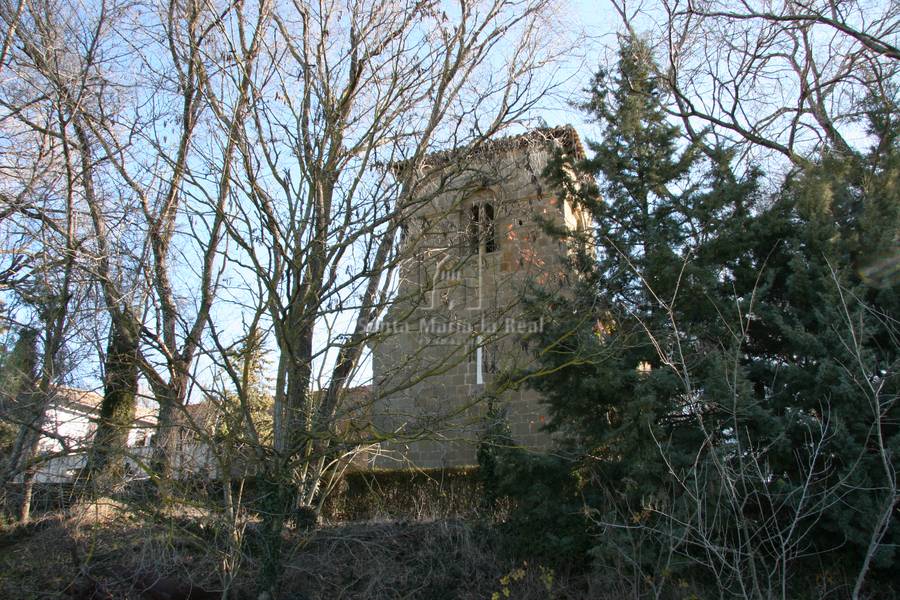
[41,216]
[140,190]
[42,226]
[341,91]
[785,78]
[158,179]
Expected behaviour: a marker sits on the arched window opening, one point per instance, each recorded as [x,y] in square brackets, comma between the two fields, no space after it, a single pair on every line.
[488,229]
[475,228]
[482,230]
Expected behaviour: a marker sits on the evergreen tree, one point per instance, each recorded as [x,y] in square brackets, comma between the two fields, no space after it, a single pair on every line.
[18,397]
[645,180]
[247,411]
[18,375]
[725,353]
[617,382]
[495,441]
[822,347]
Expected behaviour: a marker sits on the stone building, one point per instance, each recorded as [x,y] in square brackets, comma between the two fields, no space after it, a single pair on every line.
[476,243]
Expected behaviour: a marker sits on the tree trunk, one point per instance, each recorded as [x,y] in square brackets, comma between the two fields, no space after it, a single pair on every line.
[166,440]
[29,454]
[171,397]
[27,492]
[279,492]
[107,461]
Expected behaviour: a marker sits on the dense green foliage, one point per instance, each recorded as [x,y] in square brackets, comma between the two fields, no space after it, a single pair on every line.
[495,443]
[547,520]
[725,378]
[18,380]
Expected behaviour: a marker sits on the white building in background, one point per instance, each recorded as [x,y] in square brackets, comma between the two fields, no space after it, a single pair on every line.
[70,424]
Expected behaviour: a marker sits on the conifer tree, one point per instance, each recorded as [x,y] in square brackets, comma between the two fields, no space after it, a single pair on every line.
[727,353]
[644,179]
[249,407]
[658,207]
[18,386]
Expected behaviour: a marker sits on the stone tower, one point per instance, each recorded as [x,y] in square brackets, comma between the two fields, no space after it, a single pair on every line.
[476,243]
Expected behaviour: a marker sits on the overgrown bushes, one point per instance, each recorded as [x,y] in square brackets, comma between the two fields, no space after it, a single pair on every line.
[405,494]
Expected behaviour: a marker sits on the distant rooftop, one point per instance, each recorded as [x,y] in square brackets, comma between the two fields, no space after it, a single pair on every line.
[88,402]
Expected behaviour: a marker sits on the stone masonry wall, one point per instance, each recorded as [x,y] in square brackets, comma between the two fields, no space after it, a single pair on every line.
[460,305]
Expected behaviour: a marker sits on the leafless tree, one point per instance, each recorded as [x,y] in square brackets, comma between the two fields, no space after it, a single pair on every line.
[160,178]
[341,91]
[43,234]
[124,90]
[273,148]
[780,77]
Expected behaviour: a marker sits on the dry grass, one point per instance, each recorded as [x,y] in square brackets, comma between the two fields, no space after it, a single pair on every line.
[102,540]
[122,550]
[435,560]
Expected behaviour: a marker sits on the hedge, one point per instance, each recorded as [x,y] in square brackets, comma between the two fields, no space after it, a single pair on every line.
[413,494]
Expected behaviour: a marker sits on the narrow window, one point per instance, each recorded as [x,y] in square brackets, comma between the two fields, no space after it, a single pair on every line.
[479,359]
[482,231]
[488,229]
[475,229]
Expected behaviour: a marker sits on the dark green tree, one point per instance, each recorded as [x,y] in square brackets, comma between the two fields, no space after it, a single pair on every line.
[613,372]
[661,208]
[495,441]
[727,352]
[645,179]
[18,387]
[823,344]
